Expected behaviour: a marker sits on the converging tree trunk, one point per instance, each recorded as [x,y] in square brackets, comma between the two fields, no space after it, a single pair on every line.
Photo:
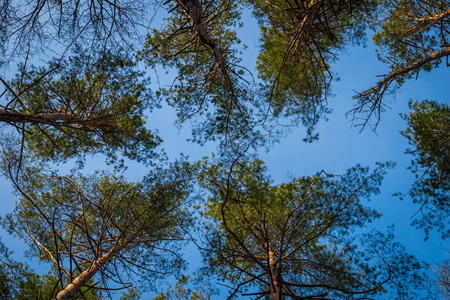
[275,284]
[75,286]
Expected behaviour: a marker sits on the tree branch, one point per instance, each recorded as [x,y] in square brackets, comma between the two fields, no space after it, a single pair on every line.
[11,116]
[373,97]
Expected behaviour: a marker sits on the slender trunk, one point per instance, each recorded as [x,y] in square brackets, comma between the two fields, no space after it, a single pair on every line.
[195,12]
[49,119]
[72,288]
[275,285]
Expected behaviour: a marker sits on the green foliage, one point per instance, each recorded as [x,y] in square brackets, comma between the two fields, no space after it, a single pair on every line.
[298,45]
[411,36]
[71,221]
[180,292]
[103,100]
[210,88]
[300,235]
[296,238]
[300,40]
[18,281]
[293,66]
[428,132]
[408,31]
[131,294]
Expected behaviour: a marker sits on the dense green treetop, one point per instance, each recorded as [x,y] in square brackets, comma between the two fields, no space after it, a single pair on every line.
[103,227]
[299,42]
[17,281]
[210,87]
[411,30]
[297,239]
[181,292]
[90,103]
[428,133]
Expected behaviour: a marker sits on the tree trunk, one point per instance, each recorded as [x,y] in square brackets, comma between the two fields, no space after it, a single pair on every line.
[195,11]
[275,285]
[73,287]
[11,116]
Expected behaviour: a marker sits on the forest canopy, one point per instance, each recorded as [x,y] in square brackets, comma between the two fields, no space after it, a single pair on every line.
[84,83]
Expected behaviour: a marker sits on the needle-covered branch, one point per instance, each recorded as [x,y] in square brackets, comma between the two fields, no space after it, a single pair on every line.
[428,133]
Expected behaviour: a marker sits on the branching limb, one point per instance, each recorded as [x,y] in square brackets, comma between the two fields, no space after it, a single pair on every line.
[370,101]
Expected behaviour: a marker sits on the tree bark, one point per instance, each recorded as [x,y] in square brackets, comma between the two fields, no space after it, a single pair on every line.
[195,11]
[11,116]
[432,18]
[73,287]
[275,284]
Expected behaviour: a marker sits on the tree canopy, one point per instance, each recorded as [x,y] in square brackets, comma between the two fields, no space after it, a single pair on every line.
[214,88]
[102,226]
[81,78]
[90,103]
[295,240]
[412,36]
[428,133]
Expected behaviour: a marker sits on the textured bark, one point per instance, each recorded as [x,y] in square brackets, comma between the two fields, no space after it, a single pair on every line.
[11,116]
[275,284]
[432,18]
[195,11]
[312,10]
[71,289]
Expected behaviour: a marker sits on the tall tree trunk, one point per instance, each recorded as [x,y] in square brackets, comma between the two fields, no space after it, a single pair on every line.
[11,116]
[76,285]
[275,285]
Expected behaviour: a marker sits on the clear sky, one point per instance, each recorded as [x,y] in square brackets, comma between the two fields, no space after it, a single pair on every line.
[339,147]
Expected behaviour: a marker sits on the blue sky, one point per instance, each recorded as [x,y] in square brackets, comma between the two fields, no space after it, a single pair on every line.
[340,146]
